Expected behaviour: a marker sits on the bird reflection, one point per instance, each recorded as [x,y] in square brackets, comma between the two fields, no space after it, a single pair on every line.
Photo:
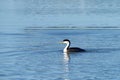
[66,57]
[66,66]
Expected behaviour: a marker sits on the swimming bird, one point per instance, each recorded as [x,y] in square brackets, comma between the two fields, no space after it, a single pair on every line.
[68,49]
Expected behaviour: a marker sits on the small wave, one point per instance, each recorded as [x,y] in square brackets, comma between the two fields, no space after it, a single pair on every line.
[18,34]
[102,50]
[70,27]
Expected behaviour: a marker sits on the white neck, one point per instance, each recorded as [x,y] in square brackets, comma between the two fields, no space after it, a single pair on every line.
[65,49]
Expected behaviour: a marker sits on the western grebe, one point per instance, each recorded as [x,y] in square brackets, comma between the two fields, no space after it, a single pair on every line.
[72,49]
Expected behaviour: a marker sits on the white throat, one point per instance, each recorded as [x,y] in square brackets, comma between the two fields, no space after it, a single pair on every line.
[65,49]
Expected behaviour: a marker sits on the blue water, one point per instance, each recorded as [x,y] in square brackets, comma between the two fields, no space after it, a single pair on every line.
[37,55]
[37,13]
[30,32]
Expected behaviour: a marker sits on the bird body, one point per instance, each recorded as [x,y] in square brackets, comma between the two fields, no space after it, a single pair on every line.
[75,49]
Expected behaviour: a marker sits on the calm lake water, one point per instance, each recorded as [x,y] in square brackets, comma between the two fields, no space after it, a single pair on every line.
[37,55]
[30,32]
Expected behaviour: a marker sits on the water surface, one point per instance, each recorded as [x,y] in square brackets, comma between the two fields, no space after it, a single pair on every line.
[37,55]
[30,32]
